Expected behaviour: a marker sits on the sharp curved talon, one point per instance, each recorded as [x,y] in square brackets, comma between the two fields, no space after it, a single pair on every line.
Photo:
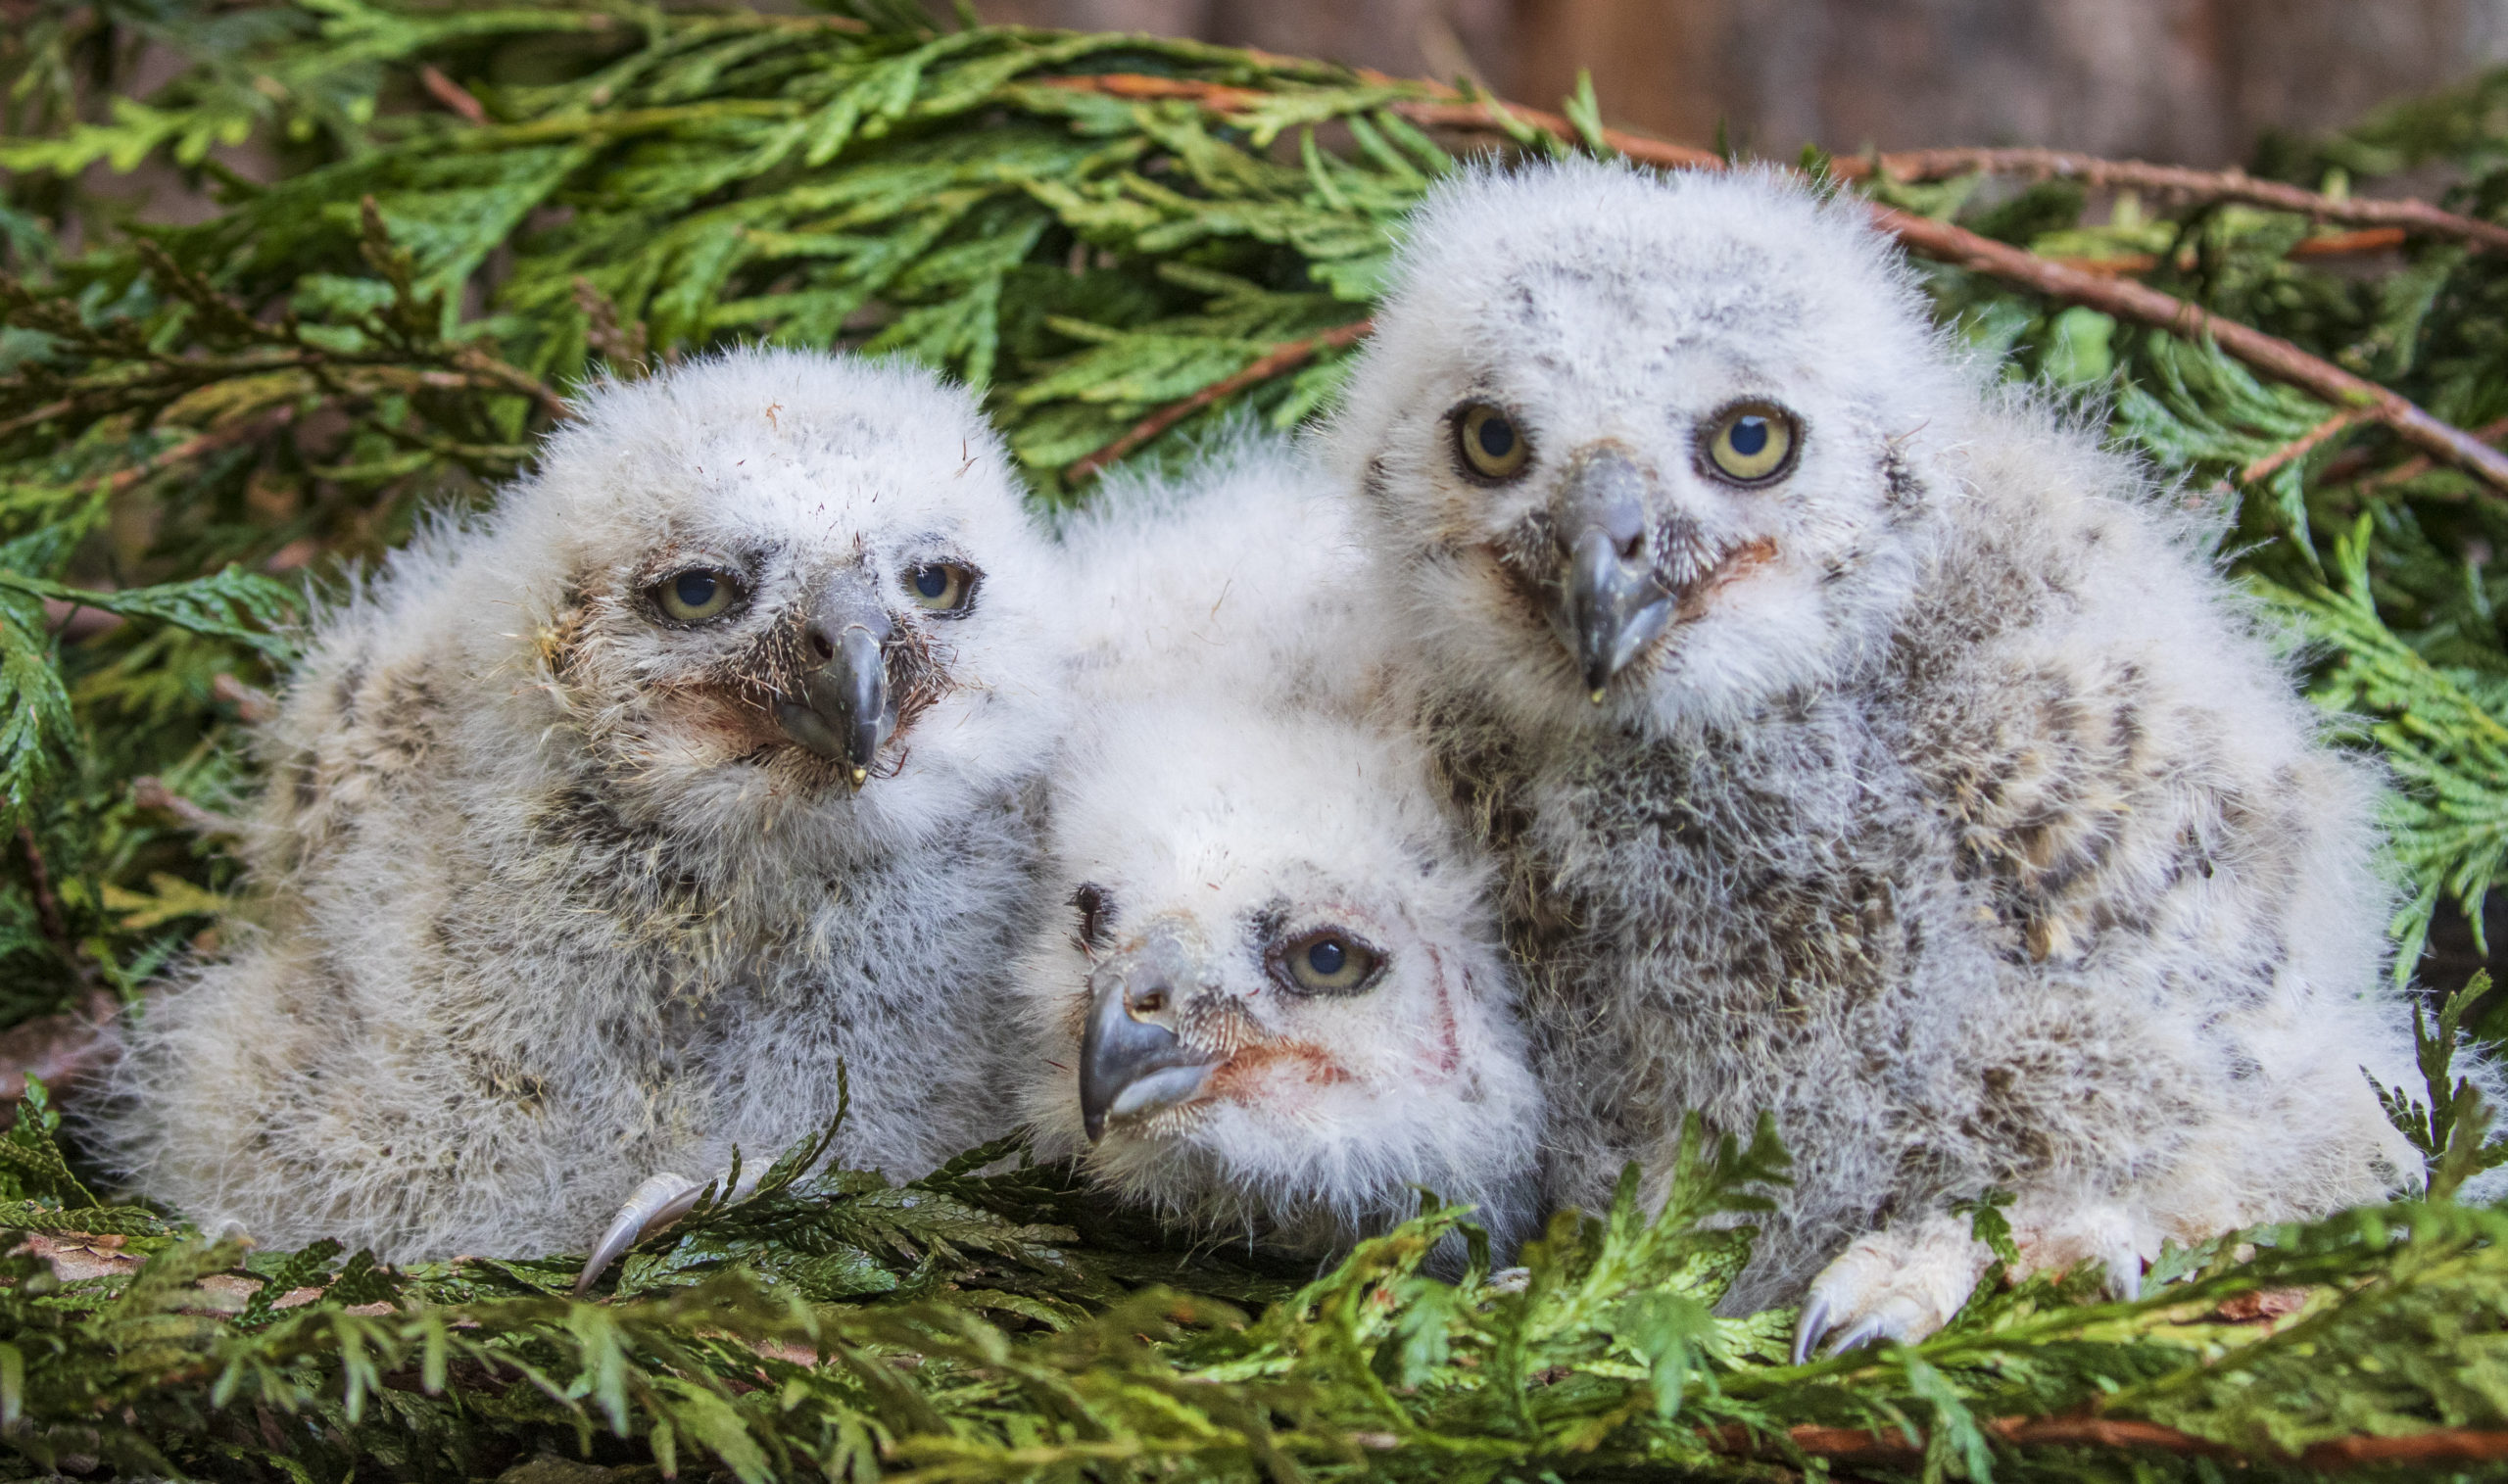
[661,1200]
[1808,1329]
[1864,1332]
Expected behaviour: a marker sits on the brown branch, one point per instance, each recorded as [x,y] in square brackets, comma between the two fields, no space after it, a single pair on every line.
[73,623]
[1443,108]
[48,918]
[452,94]
[2142,304]
[2374,239]
[2299,448]
[65,1050]
[1217,97]
[1848,1445]
[479,366]
[1282,358]
[2118,295]
[216,441]
[1486,116]
[2419,464]
[253,704]
[148,791]
[2176,181]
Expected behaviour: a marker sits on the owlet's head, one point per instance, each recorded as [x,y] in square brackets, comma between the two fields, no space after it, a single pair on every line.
[1644,447]
[774,586]
[1278,1004]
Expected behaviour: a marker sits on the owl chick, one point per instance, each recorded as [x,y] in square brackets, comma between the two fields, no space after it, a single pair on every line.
[1864,744]
[601,829]
[1281,1006]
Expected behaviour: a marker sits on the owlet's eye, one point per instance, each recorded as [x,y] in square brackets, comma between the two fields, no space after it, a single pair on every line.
[942,587]
[1751,444]
[695,596]
[1489,444]
[1327,961]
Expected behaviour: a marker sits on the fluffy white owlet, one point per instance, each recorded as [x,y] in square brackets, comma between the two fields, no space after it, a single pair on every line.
[602,827]
[1279,1003]
[1864,744]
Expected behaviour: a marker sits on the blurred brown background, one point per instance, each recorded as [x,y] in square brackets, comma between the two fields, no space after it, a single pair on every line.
[2192,82]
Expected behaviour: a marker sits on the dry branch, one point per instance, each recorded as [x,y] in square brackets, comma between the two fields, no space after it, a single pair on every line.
[2144,305]
[1852,1446]
[1280,359]
[2175,182]
[1484,115]
[2120,297]
[2299,448]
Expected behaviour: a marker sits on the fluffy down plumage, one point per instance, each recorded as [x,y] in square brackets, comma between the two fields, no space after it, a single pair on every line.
[1865,743]
[1230,817]
[569,877]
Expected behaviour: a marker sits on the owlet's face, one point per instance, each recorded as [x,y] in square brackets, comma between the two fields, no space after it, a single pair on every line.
[800,583]
[1640,448]
[784,654]
[1274,989]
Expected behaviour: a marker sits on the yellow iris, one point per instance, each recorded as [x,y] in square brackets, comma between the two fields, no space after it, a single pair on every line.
[1329,961]
[1751,443]
[940,587]
[1490,444]
[695,596]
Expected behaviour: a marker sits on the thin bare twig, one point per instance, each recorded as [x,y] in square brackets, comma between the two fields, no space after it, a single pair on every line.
[253,704]
[1486,114]
[479,366]
[2299,448]
[2121,296]
[64,1049]
[216,441]
[1443,107]
[452,94]
[72,622]
[2176,181]
[1280,359]
[48,918]
[2419,464]
[148,791]
[1848,1445]
[2144,305]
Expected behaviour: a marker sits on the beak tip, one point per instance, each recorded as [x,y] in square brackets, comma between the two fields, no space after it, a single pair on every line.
[1595,695]
[858,775]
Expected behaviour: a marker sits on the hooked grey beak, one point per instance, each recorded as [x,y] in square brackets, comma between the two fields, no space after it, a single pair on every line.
[1130,1060]
[1611,604]
[844,709]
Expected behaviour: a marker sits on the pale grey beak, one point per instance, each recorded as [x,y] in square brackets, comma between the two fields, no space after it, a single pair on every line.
[1612,605]
[845,709]
[1130,1060]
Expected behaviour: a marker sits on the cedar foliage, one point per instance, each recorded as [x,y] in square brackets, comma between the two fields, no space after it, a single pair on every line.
[452,217]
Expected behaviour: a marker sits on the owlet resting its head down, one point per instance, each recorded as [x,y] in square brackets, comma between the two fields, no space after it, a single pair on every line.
[602,826]
[1278,1007]
[1865,744]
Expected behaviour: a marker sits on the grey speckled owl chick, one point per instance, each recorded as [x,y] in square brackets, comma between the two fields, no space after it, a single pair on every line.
[600,830]
[1277,1003]
[1866,745]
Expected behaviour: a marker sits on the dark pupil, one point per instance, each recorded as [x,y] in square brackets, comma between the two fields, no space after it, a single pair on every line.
[1497,437]
[1749,435]
[695,588]
[931,582]
[1326,957]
